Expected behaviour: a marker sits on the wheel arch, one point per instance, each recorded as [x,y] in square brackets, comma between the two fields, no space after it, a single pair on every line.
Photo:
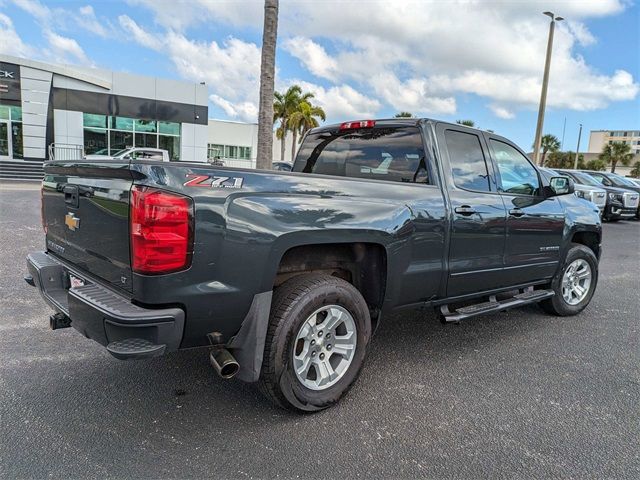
[363,262]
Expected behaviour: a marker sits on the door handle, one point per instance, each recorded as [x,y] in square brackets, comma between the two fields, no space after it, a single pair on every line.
[464,210]
[516,212]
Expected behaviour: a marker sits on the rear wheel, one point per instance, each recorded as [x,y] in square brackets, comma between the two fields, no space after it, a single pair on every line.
[575,284]
[317,340]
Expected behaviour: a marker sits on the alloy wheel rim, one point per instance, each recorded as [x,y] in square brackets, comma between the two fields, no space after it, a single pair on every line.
[324,347]
[576,281]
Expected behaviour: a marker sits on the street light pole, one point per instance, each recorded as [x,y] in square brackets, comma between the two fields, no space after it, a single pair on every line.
[545,82]
[575,162]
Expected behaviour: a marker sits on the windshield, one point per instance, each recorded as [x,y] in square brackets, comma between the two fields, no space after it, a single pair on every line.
[586,179]
[623,181]
[121,152]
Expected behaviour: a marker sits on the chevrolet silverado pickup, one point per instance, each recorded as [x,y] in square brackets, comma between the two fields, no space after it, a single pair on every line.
[284,276]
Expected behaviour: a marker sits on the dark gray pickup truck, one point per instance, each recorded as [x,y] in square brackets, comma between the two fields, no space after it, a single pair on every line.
[285,276]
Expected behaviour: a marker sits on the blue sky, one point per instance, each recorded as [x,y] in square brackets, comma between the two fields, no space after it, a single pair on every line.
[363,59]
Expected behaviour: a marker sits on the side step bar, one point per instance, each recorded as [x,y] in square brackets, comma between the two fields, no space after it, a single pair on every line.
[493,305]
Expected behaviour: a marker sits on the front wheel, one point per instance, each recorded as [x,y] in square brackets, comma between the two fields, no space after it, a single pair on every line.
[575,284]
[318,337]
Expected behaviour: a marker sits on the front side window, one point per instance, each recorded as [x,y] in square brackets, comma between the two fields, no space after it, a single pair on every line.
[382,153]
[601,178]
[517,174]
[468,165]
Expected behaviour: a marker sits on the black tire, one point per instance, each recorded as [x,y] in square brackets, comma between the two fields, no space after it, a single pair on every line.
[557,305]
[293,302]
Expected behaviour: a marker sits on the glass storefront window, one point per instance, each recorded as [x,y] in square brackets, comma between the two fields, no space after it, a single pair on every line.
[231,151]
[4,139]
[16,139]
[107,135]
[146,140]
[170,128]
[245,153]
[11,135]
[145,126]
[171,144]
[119,141]
[93,120]
[95,141]
[16,114]
[122,123]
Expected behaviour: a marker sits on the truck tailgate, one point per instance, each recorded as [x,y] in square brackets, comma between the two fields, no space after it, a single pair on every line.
[85,210]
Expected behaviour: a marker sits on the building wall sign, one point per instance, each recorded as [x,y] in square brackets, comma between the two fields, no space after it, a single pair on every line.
[9,84]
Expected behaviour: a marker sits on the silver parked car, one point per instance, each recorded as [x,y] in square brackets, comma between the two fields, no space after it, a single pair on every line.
[594,194]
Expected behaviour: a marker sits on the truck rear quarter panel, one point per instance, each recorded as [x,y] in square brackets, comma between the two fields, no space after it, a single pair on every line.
[245,223]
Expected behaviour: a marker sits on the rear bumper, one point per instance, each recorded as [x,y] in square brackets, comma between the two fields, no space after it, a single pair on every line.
[103,315]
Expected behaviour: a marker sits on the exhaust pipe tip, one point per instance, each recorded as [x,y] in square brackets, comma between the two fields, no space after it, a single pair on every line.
[223,362]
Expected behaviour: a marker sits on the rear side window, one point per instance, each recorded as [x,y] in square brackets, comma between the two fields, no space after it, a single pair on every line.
[468,165]
[394,154]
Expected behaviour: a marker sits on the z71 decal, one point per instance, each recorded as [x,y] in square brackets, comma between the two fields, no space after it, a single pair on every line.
[213,181]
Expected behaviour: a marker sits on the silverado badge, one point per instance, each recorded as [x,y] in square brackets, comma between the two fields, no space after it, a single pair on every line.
[71,221]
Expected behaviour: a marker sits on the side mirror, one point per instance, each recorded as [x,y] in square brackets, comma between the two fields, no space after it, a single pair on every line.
[561,185]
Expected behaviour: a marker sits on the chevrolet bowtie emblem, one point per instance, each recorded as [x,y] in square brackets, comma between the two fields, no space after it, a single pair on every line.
[71,221]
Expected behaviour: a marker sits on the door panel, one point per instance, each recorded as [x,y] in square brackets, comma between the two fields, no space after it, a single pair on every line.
[535,224]
[478,219]
[477,243]
[534,235]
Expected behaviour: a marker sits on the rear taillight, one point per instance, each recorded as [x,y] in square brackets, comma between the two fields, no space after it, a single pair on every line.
[161,226]
[358,124]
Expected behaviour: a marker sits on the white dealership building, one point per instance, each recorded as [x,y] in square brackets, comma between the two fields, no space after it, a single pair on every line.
[102,111]
[93,111]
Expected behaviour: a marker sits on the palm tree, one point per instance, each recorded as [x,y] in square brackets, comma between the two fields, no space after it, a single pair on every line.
[635,171]
[267,77]
[466,123]
[303,120]
[616,152]
[284,104]
[549,143]
[403,115]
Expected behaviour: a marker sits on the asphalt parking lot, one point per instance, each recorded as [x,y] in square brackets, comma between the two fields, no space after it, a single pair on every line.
[514,394]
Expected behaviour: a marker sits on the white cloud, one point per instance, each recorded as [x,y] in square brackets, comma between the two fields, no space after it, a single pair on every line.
[495,50]
[64,48]
[413,95]
[187,14]
[59,48]
[138,34]
[247,111]
[86,19]
[10,41]
[34,8]
[313,56]
[412,55]
[341,101]
[502,112]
